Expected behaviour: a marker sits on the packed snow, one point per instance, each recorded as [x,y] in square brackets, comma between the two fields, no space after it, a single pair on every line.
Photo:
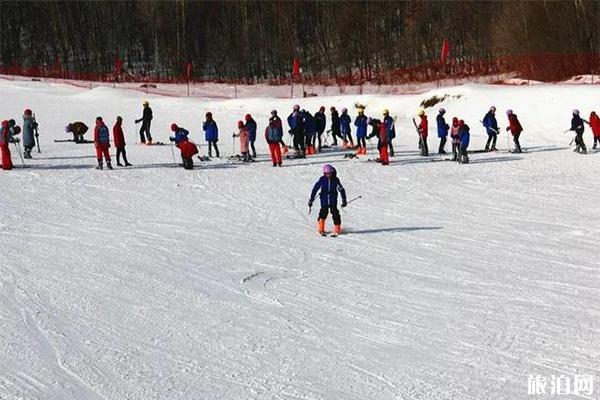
[152,282]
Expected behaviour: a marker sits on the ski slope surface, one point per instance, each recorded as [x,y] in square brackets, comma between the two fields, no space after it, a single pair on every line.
[153,282]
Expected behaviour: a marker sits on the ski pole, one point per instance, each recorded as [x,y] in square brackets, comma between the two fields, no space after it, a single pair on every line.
[356,198]
[173,153]
[37,134]
[19,151]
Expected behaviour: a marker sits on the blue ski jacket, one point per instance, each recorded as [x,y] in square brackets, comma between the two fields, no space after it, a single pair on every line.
[490,123]
[464,135]
[442,126]
[309,124]
[345,123]
[361,126]
[390,128]
[251,127]
[328,188]
[181,135]
[211,131]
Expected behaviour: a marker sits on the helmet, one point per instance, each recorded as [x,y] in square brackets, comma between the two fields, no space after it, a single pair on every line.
[322,108]
[248,117]
[442,110]
[145,103]
[27,112]
[344,110]
[575,112]
[119,118]
[421,112]
[509,112]
[493,108]
[273,112]
[209,115]
[240,124]
[174,127]
[296,107]
[386,111]
[67,128]
[98,119]
[327,169]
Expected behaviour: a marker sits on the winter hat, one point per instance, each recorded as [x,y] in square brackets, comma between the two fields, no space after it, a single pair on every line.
[421,112]
[240,124]
[11,122]
[509,112]
[344,110]
[442,111]
[119,119]
[273,112]
[248,117]
[209,115]
[27,112]
[174,127]
[98,119]
[322,108]
[575,112]
[493,108]
[332,108]
[145,103]
[461,122]
[454,121]
[327,169]
[296,107]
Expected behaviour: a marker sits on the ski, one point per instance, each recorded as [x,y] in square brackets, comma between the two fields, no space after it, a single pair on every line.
[72,141]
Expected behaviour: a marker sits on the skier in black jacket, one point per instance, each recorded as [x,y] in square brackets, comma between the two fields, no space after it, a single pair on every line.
[145,120]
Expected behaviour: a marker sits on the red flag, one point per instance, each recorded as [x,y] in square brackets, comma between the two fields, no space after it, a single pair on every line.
[296,68]
[445,51]
[118,66]
[188,69]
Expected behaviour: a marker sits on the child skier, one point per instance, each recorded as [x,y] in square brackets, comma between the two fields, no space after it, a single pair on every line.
[29,133]
[296,123]
[464,137]
[310,131]
[335,126]
[4,149]
[102,143]
[119,140]
[361,131]
[211,134]
[595,124]
[273,136]
[423,130]
[346,130]
[491,126]
[244,141]
[275,117]
[454,134]
[328,185]
[78,129]
[187,148]
[515,128]
[391,130]
[320,122]
[380,130]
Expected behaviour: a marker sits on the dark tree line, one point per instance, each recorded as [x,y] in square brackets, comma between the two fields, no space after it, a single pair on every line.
[258,39]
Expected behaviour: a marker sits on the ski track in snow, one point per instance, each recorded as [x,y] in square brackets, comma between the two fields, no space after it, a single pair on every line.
[452,282]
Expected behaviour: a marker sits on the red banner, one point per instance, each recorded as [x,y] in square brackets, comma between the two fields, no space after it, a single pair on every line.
[296,68]
[445,51]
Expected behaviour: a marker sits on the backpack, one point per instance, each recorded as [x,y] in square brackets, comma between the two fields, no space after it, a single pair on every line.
[273,134]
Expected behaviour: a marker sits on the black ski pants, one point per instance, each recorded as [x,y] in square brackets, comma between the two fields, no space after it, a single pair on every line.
[335,214]
[212,143]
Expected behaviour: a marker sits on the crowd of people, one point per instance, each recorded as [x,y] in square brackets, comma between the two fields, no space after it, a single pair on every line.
[306,130]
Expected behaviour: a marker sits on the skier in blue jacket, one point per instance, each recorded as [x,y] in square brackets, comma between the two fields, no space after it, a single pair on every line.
[328,187]
[296,123]
[320,122]
[491,126]
[310,131]
[442,130]
[465,136]
[361,131]
[391,130]
[211,134]
[346,129]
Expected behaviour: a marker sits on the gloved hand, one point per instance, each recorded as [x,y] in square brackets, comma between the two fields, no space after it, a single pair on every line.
[507,128]
[344,203]
[37,135]
[14,140]
[137,121]
[35,124]
[310,203]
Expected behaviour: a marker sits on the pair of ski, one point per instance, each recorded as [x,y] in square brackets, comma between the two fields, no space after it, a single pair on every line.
[332,234]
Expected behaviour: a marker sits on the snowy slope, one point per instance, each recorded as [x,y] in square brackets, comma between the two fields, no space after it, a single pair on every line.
[453,282]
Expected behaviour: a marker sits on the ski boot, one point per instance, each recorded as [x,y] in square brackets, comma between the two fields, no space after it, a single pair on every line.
[109,165]
[321,227]
[99,167]
[127,164]
[493,149]
[337,229]
[576,149]
[119,164]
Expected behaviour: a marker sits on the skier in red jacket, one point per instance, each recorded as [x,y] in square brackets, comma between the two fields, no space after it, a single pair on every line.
[4,142]
[595,125]
[380,130]
[515,129]
[423,129]
[119,140]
